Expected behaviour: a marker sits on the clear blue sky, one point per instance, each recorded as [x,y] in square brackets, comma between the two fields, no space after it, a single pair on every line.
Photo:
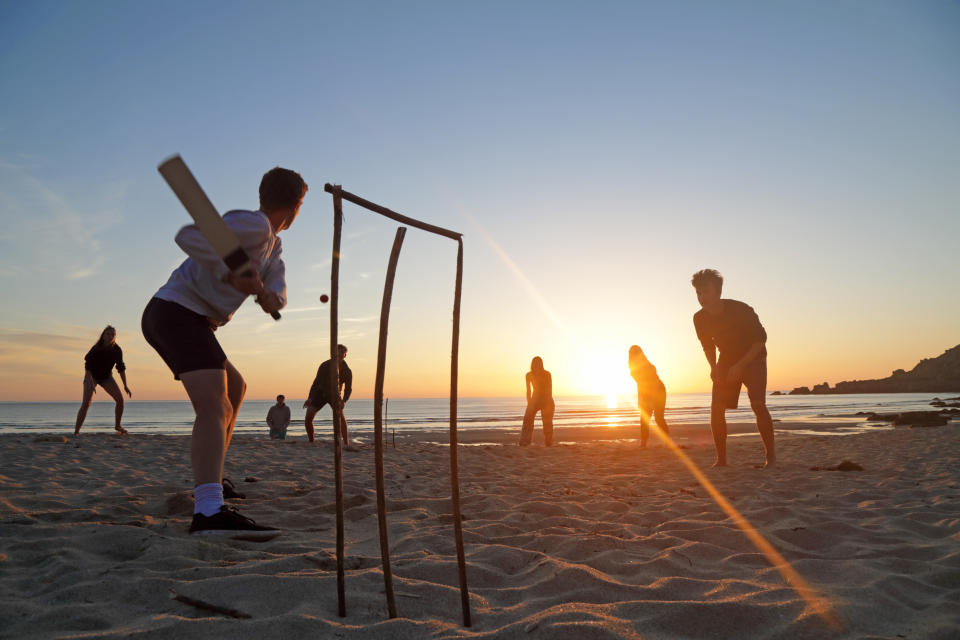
[593,154]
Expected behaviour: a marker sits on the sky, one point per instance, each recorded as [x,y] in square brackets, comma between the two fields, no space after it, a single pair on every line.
[593,154]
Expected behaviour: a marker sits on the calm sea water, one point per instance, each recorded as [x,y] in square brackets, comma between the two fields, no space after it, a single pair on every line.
[835,414]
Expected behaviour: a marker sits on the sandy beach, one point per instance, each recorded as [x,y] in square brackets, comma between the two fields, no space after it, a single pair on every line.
[592,538]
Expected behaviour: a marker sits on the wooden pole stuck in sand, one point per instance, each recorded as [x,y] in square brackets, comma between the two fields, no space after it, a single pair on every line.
[454,472]
[336,405]
[378,421]
[338,195]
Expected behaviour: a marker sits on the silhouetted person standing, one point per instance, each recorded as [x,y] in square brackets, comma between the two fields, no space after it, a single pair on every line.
[321,393]
[651,393]
[539,398]
[98,370]
[733,329]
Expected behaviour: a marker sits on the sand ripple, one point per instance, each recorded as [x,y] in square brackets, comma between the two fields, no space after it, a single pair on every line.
[593,540]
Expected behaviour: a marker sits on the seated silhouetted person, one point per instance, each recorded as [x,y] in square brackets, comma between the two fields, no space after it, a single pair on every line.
[539,398]
[651,393]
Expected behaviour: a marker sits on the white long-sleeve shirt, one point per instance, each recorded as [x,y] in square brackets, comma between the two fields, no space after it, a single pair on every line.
[197,283]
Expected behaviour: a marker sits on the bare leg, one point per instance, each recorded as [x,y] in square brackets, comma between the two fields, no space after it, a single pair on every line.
[236,389]
[765,427]
[526,432]
[88,389]
[661,419]
[343,430]
[308,420]
[718,425]
[546,414]
[207,389]
[111,387]
[644,427]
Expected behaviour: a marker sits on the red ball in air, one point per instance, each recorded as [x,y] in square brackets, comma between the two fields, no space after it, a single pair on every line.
[324,298]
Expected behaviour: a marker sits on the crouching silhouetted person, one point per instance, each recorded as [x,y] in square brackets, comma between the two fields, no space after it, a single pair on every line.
[651,393]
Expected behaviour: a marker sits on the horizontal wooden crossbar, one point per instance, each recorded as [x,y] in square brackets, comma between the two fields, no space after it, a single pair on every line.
[393,215]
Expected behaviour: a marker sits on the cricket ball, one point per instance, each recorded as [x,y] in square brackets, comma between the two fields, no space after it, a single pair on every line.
[324,298]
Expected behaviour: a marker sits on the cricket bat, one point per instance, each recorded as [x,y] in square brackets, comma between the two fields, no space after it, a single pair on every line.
[175,171]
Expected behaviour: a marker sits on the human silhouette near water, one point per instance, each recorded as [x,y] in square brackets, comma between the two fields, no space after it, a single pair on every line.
[732,328]
[651,393]
[322,392]
[98,370]
[539,384]
[278,419]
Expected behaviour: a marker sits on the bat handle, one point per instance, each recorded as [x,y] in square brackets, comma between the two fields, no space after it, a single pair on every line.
[249,273]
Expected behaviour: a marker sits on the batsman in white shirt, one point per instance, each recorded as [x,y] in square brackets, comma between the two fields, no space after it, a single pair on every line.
[179,322]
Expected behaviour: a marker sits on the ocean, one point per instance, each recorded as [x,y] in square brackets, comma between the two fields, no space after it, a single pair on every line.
[834,414]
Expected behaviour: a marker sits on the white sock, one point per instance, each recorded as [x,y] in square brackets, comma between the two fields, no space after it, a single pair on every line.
[207,498]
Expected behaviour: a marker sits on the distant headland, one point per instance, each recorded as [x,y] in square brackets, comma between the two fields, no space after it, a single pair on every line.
[931,375]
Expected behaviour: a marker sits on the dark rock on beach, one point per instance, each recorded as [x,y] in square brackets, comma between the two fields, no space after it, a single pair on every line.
[912,418]
[940,403]
[846,465]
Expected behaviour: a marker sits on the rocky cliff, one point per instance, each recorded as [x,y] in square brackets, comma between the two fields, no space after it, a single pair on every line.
[931,375]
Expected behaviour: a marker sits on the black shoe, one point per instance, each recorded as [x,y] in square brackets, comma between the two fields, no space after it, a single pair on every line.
[230,491]
[229,523]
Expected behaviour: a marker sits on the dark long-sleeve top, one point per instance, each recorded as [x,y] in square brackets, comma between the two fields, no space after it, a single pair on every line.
[649,383]
[542,383]
[99,361]
[733,331]
[321,384]
[279,416]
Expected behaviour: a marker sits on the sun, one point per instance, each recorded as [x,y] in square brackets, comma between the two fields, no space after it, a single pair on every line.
[604,374]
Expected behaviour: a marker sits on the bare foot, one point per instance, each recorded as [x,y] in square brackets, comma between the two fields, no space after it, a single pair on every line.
[350,447]
[769,463]
[719,463]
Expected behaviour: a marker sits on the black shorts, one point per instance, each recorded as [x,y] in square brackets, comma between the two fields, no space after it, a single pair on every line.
[317,402]
[183,338]
[754,376]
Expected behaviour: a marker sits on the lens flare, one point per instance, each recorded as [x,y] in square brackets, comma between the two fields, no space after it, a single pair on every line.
[816,603]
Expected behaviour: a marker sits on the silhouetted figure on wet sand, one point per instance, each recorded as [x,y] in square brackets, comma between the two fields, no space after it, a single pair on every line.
[651,393]
[322,392]
[98,370]
[734,329]
[539,398]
